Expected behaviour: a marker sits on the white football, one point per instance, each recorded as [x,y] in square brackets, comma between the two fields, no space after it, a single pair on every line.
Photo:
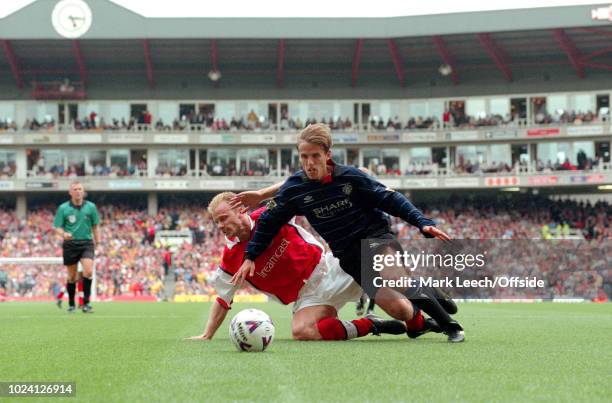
[251,330]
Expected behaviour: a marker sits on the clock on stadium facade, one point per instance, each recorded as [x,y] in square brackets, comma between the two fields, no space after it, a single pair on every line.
[71,18]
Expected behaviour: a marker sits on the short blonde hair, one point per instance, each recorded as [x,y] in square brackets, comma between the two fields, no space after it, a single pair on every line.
[317,133]
[218,199]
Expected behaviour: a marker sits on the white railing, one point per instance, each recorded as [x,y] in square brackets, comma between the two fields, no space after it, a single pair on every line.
[426,170]
[433,170]
[355,128]
[48,175]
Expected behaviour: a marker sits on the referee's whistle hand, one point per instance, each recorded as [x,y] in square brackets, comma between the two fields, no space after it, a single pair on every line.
[247,268]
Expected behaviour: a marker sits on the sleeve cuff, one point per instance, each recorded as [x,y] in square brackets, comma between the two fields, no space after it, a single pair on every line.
[248,255]
[427,222]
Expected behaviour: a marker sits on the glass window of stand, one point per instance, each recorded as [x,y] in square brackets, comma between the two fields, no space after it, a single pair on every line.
[96,163]
[75,162]
[472,153]
[384,161]
[371,158]
[172,162]
[221,162]
[583,155]
[119,159]
[7,163]
[48,162]
[391,162]
[254,162]
[551,155]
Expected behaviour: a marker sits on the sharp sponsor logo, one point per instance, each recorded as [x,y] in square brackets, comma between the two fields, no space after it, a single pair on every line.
[332,209]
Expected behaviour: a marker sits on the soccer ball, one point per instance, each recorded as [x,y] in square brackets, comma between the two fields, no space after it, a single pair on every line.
[251,330]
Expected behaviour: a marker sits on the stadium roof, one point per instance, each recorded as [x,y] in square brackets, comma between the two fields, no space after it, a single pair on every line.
[500,45]
[112,21]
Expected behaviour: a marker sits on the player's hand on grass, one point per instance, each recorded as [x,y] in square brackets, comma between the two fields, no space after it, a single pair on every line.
[247,269]
[246,200]
[436,233]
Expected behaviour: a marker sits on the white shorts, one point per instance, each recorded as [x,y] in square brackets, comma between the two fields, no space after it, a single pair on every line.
[328,285]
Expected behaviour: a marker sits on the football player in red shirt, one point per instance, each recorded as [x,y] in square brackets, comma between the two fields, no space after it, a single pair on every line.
[296,269]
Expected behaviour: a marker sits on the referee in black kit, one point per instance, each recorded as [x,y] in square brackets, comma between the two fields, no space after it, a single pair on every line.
[76,221]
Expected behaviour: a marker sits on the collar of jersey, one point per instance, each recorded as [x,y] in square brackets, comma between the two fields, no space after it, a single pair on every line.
[75,206]
[327,178]
[230,243]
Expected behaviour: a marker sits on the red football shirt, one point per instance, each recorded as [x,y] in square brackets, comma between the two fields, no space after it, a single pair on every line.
[280,271]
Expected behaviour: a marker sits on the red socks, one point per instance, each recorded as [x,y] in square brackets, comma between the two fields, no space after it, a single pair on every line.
[417,322]
[336,329]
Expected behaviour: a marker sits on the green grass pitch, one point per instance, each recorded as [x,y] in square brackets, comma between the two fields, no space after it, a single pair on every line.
[135,352]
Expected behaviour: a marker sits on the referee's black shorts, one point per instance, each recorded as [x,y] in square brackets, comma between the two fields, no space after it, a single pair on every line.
[74,251]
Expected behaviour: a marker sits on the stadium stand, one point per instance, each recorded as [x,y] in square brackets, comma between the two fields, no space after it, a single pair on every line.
[132,259]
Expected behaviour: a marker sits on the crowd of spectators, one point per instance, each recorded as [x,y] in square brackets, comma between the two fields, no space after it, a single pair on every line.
[564,117]
[259,168]
[467,167]
[584,163]
[453,117]
[130,259]
[8,125]
[38,169]
[511,229]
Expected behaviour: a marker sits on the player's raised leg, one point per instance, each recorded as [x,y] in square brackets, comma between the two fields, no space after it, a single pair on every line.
[399,307]
[321,322]
[304,322]
[316,310]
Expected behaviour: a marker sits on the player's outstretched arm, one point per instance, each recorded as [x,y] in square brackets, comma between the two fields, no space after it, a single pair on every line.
[215,319]
[251,199]
[388,200]
[435,233]
[278,213]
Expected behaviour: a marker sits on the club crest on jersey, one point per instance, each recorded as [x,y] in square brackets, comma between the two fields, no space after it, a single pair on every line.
[308,199]
[72,219]
[347,189]
[271,204]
